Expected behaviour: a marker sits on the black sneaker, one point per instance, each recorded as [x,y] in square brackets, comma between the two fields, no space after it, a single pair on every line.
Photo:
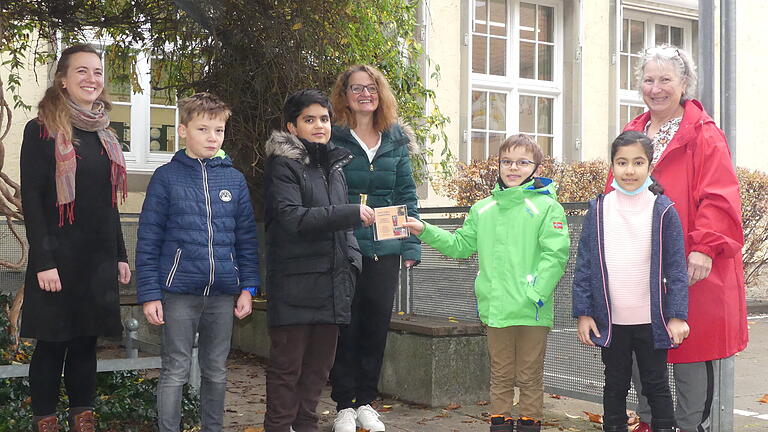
[527,424]
[500,424]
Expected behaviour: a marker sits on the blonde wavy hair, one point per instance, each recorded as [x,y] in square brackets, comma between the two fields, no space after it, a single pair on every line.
[386,113]
[53,110]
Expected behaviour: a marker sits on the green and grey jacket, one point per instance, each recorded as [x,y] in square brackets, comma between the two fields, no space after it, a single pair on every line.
[387,181]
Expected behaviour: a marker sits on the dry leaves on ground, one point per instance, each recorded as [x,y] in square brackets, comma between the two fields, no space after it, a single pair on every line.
[594,418]
[253,429]
[453,406]
[763,399]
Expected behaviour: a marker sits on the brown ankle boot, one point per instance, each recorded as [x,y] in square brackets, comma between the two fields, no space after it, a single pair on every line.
[82,422]
[46,424]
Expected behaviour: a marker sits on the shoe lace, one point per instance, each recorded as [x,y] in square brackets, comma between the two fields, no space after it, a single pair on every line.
[368,410]
[344,416]
[86,424]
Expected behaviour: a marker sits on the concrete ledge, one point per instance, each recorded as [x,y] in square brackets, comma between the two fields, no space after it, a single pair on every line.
[429,361]
[757,306]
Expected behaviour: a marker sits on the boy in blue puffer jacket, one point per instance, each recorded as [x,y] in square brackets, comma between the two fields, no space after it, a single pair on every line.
[196,260]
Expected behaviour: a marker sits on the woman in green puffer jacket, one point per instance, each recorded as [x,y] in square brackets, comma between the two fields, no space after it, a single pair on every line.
[380,173]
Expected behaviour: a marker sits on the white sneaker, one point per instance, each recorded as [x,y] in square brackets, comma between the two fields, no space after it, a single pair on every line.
[368,418]
[345,421]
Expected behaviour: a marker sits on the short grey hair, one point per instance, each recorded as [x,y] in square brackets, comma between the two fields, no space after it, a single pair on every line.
[678,58]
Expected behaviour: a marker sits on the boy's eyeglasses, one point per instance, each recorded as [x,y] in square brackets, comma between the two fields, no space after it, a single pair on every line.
[522,163]
[358,88]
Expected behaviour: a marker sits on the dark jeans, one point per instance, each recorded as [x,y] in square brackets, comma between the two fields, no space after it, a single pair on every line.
[300,358]
[355,375]
[78,359]
[618,374]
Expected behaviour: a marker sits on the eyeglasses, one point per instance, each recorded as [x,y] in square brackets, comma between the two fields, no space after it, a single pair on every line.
[358,88]
[522,163]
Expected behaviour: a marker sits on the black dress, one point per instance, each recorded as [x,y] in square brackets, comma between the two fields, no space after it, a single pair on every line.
[85,252]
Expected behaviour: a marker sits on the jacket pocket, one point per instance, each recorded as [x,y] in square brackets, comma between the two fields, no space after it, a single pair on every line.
[306,283]
[174,267]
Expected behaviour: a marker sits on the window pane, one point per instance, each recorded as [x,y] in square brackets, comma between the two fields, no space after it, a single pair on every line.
[677,37]
[480,16]
[546,144]
[478,146]
[635,66]
[115,70]
[498,19]
[662,34]
[478,54]
[159,79]
[624,73]
[498,56]
[527,59]
[637,36]
[498,119]
[544,123]
[162,130]
[623,115]
[120,121]
[635,111]
[546,62]
[527,113]
[527,21]
[494,142]
[546,24]
[625,36]
[479,108]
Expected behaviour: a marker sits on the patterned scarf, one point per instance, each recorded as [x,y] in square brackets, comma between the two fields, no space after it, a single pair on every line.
[94,120]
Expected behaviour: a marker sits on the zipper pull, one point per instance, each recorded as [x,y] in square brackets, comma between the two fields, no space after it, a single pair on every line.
[375,257]
[371,168]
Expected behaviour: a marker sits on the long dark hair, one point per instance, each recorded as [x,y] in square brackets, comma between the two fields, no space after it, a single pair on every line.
[629,138]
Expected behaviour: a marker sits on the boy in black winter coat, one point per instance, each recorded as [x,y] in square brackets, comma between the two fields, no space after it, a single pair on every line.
[312,258]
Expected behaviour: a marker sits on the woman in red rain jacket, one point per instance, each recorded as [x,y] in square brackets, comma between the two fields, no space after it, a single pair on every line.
[693,164]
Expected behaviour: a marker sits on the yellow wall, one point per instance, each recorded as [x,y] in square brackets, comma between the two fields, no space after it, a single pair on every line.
[33,85]
[445,42]
[597,93]
[752,92]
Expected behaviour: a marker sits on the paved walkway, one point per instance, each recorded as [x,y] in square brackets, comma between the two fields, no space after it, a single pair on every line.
[246,396]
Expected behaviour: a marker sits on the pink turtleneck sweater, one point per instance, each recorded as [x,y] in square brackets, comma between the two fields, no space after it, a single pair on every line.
[627,225]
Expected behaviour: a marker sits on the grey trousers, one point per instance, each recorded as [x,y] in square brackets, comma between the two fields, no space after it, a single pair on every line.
[185,315]
[695,390]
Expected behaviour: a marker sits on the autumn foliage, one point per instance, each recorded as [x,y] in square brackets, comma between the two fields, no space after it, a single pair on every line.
[582,181]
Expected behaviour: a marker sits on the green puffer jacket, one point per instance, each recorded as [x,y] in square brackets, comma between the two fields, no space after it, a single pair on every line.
[387,181]
[521,238]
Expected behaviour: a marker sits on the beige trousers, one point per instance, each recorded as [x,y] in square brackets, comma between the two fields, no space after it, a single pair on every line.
[517,359]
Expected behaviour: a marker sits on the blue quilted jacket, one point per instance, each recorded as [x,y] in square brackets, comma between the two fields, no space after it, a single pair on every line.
[197,233]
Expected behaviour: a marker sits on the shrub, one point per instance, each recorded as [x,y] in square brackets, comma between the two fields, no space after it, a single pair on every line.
[582,181]
[754,206]
[576,182]
[125,400]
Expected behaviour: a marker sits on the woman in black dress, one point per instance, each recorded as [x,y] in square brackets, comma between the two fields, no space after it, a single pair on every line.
[72,175]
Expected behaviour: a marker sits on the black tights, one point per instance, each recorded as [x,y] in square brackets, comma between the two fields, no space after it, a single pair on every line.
[78,359]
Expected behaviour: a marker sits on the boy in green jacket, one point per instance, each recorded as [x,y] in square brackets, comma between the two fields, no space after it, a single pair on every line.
[521,238]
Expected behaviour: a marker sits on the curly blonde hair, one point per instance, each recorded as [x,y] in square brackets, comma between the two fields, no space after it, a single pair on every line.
[385,114]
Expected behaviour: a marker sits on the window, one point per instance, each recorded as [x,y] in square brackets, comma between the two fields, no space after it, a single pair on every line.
[641,30]
[516,82]
[144,119]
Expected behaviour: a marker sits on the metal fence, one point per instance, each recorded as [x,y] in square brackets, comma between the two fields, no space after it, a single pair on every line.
[444,287]
[440,287]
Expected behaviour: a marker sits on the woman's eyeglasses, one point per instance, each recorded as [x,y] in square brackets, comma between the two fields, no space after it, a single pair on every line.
[358,88]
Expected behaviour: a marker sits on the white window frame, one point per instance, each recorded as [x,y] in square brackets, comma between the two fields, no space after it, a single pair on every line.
[634,97]
[139,159]
[511,84]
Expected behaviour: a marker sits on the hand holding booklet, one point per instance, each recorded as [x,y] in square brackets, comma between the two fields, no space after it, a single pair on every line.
[389,223]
